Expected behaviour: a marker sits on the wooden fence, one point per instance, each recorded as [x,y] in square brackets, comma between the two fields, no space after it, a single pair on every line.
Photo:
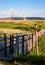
[16,44]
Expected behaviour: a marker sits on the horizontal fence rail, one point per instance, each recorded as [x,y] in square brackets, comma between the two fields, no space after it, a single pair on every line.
[16,44]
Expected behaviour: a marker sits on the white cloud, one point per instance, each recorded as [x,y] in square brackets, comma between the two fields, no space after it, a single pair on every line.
[6,13]
[11,12]
[22,13]
[37,13]
[3,13]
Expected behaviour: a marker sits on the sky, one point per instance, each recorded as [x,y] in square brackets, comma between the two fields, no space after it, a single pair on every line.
[23,8]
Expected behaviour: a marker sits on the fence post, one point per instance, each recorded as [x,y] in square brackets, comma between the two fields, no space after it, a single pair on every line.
[29,42]
[32,41]
[5,40]
[36,41]
[11,44]
[17,45]
[23,44]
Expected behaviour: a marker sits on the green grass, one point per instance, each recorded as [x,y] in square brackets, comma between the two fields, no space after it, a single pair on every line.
[32,57]
[25,27]
[42,44]
[15,26]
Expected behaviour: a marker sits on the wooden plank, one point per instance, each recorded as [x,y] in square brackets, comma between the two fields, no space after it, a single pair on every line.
[17,45]
[5,40]
[23,45]
[21,42]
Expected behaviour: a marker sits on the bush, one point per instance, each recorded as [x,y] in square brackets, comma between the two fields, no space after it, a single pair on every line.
[42,44]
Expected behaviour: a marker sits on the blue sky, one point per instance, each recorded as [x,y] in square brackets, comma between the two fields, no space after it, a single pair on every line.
[32,8]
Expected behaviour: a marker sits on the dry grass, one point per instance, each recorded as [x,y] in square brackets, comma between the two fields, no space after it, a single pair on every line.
[24,21]
[5,30]
[10,31]
[19,21]
[15,63]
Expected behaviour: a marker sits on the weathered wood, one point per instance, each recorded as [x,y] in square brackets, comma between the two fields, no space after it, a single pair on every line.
[5,41]
[21,42]
[29,44]
[22,45]
[36,42]
[10,44]
[17,45]
[32,41]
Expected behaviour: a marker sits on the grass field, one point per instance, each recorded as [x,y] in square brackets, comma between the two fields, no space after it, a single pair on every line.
[19,25]
[14,26]
[30,59]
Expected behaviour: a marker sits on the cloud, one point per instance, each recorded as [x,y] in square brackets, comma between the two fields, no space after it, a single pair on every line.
[11,12]
[3,13]
[6,13]
[37,13]
[22,13]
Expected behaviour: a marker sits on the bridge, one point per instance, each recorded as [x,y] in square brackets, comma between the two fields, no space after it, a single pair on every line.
[16,44]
